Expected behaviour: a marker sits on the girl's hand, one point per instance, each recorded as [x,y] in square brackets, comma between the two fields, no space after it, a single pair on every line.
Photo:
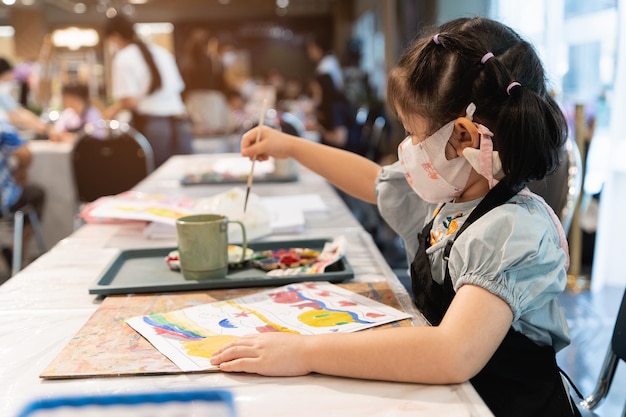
[271,143]
[270,354]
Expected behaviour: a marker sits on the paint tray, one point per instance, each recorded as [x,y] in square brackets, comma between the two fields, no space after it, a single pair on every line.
[145,271]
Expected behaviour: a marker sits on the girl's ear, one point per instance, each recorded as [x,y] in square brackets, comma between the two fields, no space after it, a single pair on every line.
[465,134]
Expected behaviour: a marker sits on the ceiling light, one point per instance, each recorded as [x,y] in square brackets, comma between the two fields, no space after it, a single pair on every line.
[74,38]
[8,2]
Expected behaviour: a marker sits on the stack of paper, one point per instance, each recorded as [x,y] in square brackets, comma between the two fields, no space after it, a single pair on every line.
[264,215]
[287,212]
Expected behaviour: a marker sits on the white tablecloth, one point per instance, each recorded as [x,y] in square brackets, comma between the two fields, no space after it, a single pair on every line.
[45,305]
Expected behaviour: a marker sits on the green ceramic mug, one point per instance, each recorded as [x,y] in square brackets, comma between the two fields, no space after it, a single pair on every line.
[203,245]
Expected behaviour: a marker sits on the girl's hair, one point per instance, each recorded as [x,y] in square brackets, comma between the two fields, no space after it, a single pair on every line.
[445,70]
[124,27]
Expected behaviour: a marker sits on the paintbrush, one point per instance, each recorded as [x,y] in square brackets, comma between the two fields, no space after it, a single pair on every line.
[258,136]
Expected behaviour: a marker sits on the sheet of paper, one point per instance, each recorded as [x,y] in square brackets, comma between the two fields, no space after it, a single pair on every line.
[189,336]
[287,212]
[296,202]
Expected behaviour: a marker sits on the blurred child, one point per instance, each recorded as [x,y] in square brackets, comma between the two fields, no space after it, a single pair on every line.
[77,112]
[15,193]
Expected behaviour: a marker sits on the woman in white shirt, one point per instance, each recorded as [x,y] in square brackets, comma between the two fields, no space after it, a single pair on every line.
[146,81]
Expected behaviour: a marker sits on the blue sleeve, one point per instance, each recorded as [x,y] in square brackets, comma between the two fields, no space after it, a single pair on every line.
[403,210]
[514,253]
[7,103]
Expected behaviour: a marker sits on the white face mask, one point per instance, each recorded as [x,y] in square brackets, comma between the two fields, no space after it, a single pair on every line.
[6,88]
[433,177]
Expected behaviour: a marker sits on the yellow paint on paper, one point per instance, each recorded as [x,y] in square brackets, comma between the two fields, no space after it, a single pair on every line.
[206,347]
[325,318]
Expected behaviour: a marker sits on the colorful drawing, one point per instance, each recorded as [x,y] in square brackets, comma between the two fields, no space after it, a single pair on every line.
[132,205]
[189,336]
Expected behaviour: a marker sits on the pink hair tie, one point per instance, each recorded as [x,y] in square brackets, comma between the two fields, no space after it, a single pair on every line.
[436,39]
[511,86]
[486,58]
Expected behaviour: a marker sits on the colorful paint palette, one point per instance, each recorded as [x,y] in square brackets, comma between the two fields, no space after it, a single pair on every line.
[284,258]
[145,270]
[234,257]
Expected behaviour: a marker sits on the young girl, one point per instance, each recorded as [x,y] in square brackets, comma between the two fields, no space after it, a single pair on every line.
[77,112]
[488,257]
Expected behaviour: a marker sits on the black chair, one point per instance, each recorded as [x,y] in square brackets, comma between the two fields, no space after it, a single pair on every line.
[108,158]
[377,138]
[562,189]
[615,353]
[289,123]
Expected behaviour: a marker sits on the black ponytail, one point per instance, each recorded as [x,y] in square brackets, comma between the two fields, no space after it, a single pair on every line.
[155,76]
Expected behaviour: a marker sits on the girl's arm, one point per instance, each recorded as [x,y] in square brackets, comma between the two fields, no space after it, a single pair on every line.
[453,352]
[348,171]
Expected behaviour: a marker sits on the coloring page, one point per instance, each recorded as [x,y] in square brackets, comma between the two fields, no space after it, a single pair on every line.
[189,336]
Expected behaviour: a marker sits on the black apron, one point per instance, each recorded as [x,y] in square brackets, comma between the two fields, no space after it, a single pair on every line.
[521,378]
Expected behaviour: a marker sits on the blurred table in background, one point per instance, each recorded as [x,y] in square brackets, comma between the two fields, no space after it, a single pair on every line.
[51,169]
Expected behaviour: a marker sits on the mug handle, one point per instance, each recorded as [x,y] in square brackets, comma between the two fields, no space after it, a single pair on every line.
[244,239]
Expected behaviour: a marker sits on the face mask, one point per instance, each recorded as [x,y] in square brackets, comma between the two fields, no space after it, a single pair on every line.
[229,58]
[433,177]
[6,88]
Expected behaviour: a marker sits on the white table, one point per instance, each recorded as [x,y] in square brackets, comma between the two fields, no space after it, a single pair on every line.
[45,305]
[52,169]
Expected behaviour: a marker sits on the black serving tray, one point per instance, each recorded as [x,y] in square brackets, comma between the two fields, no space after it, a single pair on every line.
[209,178]
[145,271]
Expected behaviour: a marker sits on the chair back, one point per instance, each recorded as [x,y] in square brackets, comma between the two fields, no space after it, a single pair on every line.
[562,189]
[108,158]
[618,341]
[377,138]
[289,123]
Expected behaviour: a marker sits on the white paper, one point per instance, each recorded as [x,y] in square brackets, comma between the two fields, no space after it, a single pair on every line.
[296,202]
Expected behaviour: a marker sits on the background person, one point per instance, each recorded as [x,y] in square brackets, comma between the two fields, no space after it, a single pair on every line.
[201,63]
[77,112]
[10,109]
[146,81]
[15,193]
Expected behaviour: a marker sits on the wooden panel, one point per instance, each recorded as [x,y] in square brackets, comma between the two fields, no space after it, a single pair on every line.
[30,28]
[107,346]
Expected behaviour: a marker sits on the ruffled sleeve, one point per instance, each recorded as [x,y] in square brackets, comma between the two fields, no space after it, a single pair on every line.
[514,252]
